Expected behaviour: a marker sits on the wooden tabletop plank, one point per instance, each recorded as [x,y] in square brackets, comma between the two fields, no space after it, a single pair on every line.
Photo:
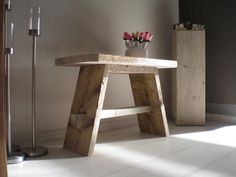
[91,59]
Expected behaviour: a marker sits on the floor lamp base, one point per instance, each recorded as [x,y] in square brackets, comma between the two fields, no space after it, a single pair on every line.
[35,152]
[15,157]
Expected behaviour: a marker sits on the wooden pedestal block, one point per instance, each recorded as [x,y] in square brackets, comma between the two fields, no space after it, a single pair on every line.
[188,80]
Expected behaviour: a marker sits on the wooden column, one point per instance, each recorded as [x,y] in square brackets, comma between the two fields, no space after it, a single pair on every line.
[82,129]
[3,166]
[146,90]
[188,80]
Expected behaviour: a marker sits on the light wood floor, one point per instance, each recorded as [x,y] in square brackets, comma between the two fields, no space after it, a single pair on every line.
[208,151]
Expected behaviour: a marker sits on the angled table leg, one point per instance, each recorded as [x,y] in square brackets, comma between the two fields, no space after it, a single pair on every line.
[146,90]
[83,125]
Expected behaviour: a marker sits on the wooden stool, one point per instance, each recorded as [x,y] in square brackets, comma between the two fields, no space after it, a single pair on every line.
[87,108]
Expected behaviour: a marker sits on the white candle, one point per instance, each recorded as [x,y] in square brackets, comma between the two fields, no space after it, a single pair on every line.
[11,43]
[8,5]
[34,21]
[10,35]
[10,38]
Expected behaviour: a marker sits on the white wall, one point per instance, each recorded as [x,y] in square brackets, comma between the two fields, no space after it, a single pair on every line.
[76,27]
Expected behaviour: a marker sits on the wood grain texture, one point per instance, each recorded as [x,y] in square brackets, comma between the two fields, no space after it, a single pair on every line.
[188,84]
[111,113]
[93,59]
[118,112]
[146,90]
[125,69]
[81,134]
[3,166]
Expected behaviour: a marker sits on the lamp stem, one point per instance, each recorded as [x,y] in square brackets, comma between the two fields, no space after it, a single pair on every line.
[8,103]
[33,92]
[13,157]
[34,31]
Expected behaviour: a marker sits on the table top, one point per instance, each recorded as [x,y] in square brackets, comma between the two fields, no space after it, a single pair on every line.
[93,59]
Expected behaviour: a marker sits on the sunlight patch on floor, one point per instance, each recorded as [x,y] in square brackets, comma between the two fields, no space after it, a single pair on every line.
[145,163]
[221,136]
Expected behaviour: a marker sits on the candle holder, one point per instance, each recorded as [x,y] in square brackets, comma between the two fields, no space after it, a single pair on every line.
[7,4]
[13,157]
[34,31]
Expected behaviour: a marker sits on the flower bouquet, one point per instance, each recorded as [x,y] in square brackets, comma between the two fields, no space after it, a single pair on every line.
[137,39]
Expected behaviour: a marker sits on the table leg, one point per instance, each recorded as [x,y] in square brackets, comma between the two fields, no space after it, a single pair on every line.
[83,125]
[146,90]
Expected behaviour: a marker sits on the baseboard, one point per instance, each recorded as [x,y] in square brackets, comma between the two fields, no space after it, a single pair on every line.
[106,125]
[225,109]
[221,118]
[24,138]
[221,112]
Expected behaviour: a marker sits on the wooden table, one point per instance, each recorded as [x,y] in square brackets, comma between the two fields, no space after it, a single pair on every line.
[87,108]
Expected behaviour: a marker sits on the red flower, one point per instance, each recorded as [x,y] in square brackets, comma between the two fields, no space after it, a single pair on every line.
[127,36]
[138,36]
[141,36]
[146,36]
[150,37]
